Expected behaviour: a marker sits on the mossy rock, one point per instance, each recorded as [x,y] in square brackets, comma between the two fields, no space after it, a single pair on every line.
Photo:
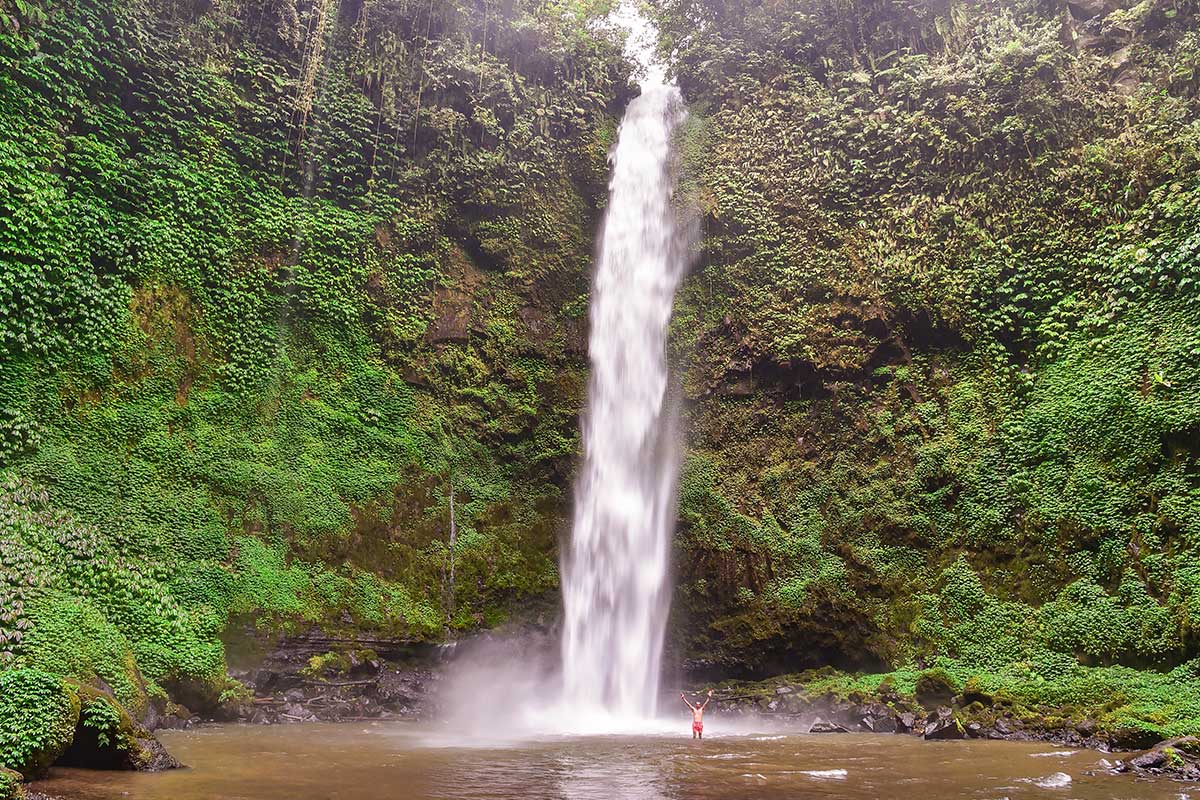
[327,664]
[1189,745]
[38,716]
[935,687]
[1174,759]
[10,785]
[1133,738]
[973,692]
[109,738]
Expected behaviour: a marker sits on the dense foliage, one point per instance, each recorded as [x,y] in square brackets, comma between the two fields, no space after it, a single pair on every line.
[279,282]
[943,349]
[286,283]
[39,714]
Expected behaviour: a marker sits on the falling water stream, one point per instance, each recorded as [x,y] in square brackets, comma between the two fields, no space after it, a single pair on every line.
[615,590]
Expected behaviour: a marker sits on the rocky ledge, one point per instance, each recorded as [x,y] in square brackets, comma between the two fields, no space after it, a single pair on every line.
[938,711]
[317,678]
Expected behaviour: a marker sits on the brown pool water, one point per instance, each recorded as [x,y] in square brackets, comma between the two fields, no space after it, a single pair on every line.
[408,761]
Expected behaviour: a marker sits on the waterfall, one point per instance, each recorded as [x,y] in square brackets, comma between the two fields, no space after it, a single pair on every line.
[615,591]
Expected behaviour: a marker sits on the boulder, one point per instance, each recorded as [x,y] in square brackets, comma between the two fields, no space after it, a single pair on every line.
[108,738]
[153,757]
[1130,738]
[906,722]
[878,718]
[935,687]
[1084,10]
[944,725]
[973,692]
[824,726]
[1187,745]
[1149,760]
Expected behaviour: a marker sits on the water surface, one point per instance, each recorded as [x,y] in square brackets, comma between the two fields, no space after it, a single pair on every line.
[403,761]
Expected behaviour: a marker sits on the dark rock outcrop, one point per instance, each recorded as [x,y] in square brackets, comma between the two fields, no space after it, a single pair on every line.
[316,677]
[878,718]
[943,724]
[825,726]
[108,738]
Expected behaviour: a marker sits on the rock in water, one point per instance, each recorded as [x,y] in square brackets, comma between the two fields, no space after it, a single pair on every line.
[944,725]
[154,757]
[878,718]
[1059,780]
[824,726]
[121,744]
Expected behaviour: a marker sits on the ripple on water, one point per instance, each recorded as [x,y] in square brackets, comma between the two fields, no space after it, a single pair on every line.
[824,774]
[1057,780]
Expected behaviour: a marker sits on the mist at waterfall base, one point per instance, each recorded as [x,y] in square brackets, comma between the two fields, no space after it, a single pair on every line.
[615,571]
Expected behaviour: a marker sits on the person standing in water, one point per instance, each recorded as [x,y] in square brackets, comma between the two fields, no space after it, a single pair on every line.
[697,715]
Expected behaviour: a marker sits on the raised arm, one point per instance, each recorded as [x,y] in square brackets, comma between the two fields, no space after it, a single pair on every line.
[707,700]
[683,697]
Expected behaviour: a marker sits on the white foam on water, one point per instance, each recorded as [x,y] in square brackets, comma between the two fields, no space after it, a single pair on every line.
[1053,754]
[1058,780]
[825,774]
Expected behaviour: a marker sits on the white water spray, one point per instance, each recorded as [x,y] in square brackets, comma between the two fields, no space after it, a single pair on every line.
[615,591]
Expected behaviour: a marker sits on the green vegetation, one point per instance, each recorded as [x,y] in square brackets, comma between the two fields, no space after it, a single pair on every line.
[943,344]
[284,283]
[10,785]
[1133,706]
[277,280]
[38,715]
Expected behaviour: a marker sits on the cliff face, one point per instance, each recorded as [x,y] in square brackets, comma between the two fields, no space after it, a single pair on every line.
[942,354]
[286,284]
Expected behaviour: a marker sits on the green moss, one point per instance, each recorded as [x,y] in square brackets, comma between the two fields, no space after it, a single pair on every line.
[327,662]
[934,687]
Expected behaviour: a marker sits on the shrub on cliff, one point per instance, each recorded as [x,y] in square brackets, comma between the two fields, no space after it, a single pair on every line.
[38,716]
